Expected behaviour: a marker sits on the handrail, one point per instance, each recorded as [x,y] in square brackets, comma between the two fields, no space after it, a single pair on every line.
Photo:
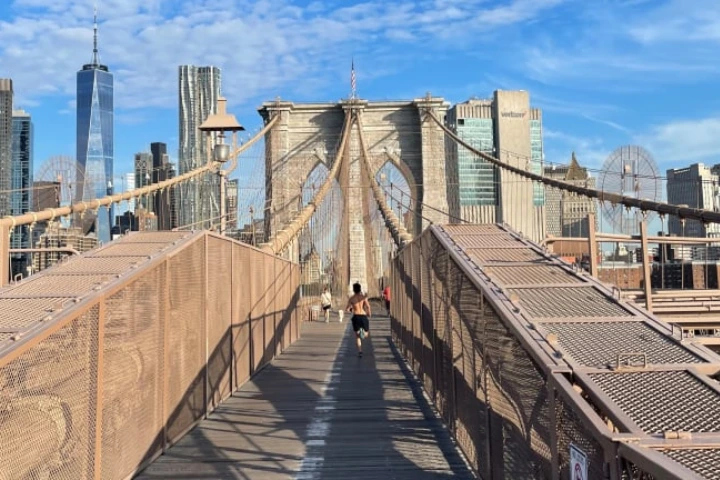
[705,216]
[79,207]
[285,235]
[621,238]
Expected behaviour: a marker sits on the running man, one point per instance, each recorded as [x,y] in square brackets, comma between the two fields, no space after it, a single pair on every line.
[360,307]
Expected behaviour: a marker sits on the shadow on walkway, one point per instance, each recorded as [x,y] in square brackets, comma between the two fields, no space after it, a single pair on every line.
[320,412]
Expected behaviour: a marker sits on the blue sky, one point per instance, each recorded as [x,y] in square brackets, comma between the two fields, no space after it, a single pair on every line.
[605,72]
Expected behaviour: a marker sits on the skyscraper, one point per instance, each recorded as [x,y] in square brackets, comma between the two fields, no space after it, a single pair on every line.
[697,186]
[21,183]
[95,138]
[6,109]
[509,129]
[231,203]
[162,170]
[566,213]
[128,184]
[143,177]
[199,90]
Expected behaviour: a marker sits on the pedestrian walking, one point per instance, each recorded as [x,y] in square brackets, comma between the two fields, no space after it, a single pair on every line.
[326,303]
[386,297]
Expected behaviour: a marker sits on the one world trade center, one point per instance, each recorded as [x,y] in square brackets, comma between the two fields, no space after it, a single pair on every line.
[95,140]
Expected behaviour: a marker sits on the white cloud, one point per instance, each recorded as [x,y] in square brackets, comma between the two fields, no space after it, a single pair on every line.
[514,12]
[265,48]
[591,152]
[682,142]
[680,21]
[621,46]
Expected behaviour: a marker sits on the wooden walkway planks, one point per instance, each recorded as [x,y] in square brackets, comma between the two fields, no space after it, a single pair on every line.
[320,412]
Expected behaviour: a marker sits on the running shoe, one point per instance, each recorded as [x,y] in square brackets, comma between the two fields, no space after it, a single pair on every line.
[362,333]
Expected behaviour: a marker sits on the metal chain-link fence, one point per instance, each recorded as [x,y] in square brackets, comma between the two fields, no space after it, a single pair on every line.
[472,313]
[109,358]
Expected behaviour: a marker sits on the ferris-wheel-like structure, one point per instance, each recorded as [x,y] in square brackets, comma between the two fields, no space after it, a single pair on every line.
[67,175]
[630,171]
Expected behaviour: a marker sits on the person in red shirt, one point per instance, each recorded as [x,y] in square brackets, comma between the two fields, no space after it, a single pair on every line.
[386,297]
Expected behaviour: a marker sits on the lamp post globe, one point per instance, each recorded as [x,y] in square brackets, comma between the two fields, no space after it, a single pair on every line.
[219,123]
[221,152]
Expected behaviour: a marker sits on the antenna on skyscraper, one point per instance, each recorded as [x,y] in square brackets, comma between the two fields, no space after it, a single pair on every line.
[95,59]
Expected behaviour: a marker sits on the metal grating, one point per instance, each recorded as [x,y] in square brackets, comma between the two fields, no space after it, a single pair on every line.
[705,461]
[186,320]
[242,305]
[504,255]
[473,229]
[97,265]
[124,249]
[531,275]
[18,313]
[154,237]
[219,313]
[568,302]
[47,405]
[658,401]
[56,285]
[597,344]
[133,374]
[502,240]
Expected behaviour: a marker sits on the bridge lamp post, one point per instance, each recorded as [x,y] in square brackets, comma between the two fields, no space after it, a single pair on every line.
[219,123]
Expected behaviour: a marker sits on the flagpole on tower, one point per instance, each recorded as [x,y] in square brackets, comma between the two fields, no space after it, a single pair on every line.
[353,85]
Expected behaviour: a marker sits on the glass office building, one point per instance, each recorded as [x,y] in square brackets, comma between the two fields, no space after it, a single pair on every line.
[536,165]
[507,128]
[95,139]
[6,108]
[21,174]
[198,93]
[477,177]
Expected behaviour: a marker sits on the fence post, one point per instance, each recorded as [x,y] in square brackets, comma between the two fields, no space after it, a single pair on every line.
[99,390]
[593,247]
[4,255]
[647,281]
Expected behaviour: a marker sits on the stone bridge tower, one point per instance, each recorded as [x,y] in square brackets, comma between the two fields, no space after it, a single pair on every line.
[396,132]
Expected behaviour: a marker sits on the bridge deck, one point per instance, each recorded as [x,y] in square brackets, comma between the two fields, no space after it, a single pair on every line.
[320,412]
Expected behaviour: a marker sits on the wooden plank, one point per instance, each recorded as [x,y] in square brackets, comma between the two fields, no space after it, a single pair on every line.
[317,411]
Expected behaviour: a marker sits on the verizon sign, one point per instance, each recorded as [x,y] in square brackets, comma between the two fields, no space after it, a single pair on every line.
[513,114]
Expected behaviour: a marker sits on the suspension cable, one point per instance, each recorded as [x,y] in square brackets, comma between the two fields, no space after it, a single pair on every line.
[397,229]
[428,206]
[282,238]
[702,215]
[52,213]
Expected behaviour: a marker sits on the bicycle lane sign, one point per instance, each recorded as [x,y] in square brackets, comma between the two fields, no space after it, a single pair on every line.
[578,464]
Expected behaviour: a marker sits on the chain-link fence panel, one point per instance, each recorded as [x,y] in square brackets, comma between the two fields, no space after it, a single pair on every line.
[127,348]
[242,307]
[48,401]
[133,361]
[185,396]
[219,315]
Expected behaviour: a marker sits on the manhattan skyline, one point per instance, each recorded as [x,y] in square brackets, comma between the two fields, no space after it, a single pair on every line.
[605,75]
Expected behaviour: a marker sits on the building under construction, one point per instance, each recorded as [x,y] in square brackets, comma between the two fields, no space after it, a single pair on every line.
[57,236]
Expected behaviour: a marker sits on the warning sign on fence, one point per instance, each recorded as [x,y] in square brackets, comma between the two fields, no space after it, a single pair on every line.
[578,464]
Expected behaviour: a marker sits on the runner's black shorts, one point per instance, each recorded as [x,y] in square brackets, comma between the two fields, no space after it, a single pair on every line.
[360,321]
[326,307]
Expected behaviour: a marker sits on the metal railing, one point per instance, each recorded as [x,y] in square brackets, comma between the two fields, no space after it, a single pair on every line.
[8,223]
[517,351]
[108,359]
